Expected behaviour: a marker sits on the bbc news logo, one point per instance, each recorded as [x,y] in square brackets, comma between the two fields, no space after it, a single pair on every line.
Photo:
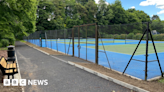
[24,82]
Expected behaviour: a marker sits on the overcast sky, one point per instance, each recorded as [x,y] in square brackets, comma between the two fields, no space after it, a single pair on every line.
[151,7]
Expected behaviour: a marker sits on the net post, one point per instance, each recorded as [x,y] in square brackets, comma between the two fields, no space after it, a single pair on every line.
[73,42]
[147,43]
[96,45]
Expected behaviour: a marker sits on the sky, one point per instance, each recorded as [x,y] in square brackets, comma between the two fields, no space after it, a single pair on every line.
[151,7]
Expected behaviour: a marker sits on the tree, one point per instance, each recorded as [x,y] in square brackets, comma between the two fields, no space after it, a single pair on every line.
[44,15]
[92,10]
[83,2]
[158,26]
[17,19]
[82,12]
[72,17]
[120,15]
[155,17]
[51,15]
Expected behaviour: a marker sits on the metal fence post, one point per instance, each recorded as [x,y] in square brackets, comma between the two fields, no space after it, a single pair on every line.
[79,42]
[86,41]
[147,43]
[56,41]
[96,45]
[51,38]
[64,40]
[45,38]
[125,38]
[73,42]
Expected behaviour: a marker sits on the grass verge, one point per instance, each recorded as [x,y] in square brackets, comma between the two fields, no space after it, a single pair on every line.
[161,80]
[22,41]
[3,48]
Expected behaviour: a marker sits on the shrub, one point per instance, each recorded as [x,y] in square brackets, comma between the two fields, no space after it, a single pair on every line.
[116,36]
[155,37]
[0,44]
[123,36]
[105,35]
[134,37]
[4,42]
[111,36]
[159,37]
[144,38]
[130,35]
[138,36]
[162,37]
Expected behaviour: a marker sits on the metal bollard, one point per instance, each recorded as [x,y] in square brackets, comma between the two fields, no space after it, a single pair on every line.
[11,53]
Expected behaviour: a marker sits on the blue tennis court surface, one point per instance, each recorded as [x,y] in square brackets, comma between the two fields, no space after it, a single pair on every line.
[118,54]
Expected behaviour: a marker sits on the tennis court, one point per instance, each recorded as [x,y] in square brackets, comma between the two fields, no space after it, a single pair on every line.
[111,46]
[118,52]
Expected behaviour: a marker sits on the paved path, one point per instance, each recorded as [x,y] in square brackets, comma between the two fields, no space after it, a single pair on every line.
[61,76]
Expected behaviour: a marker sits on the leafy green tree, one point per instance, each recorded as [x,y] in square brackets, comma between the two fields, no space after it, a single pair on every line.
[104,13]
[136,16]
[50,15]
[72,17]
[17,19]
[120,15]
[92,10]
[155,17]
[158,26]
[82,11]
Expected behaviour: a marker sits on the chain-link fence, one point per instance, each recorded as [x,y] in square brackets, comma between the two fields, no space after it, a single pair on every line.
[118,47]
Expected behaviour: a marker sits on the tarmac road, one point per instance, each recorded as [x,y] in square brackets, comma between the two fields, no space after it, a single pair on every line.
[62,77]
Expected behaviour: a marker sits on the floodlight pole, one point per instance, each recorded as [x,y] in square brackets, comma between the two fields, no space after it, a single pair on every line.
[96,45]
